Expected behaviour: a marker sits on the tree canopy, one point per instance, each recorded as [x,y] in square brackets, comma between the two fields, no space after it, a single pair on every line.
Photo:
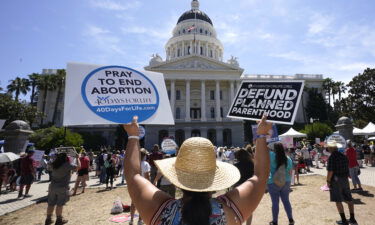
[52,137]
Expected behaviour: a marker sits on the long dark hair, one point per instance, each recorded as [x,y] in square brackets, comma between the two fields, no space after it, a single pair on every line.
[281,158]
[243,156]
[59,161]
[196,209]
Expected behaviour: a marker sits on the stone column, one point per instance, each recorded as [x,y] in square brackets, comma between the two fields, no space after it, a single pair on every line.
[173,97]
[187,132]
[176,50]
[191,48]
[187,105]
[199,48]
[183,48]
[204,132]
[219,136]
[203,100]
[217,99]
[231,94]
[206,50]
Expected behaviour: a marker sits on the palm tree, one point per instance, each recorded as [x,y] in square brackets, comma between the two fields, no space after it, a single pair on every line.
[335,90]
[59,80]
[341,89]
[18,86]
[45,83]
[33,78]
[327,86]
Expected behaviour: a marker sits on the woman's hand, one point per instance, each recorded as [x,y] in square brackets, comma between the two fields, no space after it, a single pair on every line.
[263,126]
[132,128]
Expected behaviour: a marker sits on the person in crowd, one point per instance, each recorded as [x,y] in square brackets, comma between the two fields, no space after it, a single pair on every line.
[306,157]
[90,154]
[145,173]
[109,165]
[360,155]
[165,184]
[245,165]
[155,155]
[122,155]
[372,154]
[102,159]
[58,191]
[82,173]
[295,172]
[353,166]
[27,173]
[316,155]
[279,182]
[197,172]
[118,163]
[4,169]
[367,152]
[338,182]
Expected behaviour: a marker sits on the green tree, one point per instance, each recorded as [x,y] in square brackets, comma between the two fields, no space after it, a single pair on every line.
[52,137]
[316,105]
[18,86]
[317,130]
[360,102]
[11,110]
[45,84]
[59,80]
[341,88]
[328,86]
[33,78]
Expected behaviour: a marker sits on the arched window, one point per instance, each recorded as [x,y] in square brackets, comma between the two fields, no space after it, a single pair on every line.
[227,137]
[211,53]
[201,30]
[201,51]
[183,31]
[206,32]
[179,32]
[195,133]
[212,112]
[178,113]
[178,52]
[221,112]
[189,50]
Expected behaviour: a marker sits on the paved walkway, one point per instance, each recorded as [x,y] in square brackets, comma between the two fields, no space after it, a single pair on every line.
[367,176]
[10,203]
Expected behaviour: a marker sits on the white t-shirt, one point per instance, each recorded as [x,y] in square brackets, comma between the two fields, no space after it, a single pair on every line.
[305,153]
[145,168]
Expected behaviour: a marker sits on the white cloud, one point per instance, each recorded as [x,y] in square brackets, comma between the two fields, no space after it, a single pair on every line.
[103,40]
[320,23]
[114,5]
[359,66]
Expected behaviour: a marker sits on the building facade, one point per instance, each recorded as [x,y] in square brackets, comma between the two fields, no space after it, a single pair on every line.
[201,86]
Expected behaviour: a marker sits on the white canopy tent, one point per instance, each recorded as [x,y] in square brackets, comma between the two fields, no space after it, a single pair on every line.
[369,129]
[293,133]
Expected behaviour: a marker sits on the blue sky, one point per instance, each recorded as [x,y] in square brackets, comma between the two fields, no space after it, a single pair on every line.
[335,38]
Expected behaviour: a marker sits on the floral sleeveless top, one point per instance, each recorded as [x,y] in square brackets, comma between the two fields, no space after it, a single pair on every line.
[170,213]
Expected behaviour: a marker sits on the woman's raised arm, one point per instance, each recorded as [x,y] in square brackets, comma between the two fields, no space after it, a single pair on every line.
[248,195]
[146,197]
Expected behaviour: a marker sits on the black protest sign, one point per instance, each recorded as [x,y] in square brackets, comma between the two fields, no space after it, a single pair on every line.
[278,99]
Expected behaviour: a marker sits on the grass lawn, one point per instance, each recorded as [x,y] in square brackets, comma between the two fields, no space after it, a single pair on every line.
[310,206]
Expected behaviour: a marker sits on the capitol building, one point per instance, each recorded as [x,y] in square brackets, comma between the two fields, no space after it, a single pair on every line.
[201,86]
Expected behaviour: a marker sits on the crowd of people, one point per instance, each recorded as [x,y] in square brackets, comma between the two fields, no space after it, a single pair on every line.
[153,192]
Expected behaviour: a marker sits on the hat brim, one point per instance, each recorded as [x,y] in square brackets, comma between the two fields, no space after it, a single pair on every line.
[223,177]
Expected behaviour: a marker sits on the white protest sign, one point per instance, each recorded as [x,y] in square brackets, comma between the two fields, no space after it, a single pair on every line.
[70,151]
[168,145]
[113,95]
[2,122]
[339,139]
[278,99]
[142,132]
[38,156]
[287,142]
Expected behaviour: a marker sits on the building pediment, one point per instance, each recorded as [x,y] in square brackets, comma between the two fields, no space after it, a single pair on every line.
[193,63]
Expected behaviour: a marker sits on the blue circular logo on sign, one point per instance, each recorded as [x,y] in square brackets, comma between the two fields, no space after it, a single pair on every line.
[118,93]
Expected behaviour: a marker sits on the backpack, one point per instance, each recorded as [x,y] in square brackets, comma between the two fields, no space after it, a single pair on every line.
[279,178]
[107,164]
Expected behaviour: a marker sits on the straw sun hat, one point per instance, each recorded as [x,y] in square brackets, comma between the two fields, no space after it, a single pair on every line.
[195,168]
